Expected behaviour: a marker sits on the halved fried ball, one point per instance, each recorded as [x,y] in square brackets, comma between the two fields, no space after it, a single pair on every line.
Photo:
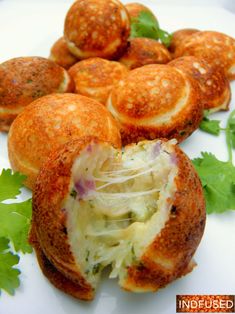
[142,51]
[213,83]
[25,79]
[140,211]
[61,55]
[217,48]
[95,77]
[52,121]
[97,28]
[134,9]
[178,38]
[156,101]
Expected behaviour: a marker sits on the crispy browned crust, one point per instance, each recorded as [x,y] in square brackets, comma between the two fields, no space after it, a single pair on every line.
[142,51]
[135,8]
[22,80]
[217,48]
[178,38]
[97,29]
[6,121]
[213,83]
[170,255]
[52,121]
[61,55]
[95,77]
[150,91]
[57,278]
[49,232]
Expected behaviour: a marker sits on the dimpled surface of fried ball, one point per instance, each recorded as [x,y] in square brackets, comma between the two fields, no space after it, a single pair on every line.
[24,79]
[52,121]
[95,77]
[142,51]
[134,9]
[217,48]
[178,38]
[97,28]
[213,83]
[61,55]
[156,101]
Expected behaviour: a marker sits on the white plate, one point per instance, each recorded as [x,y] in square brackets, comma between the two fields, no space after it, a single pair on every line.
[28,28]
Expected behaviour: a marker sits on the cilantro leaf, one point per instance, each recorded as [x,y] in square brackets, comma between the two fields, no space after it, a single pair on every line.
[10,184]
[164,37]
[9,276]
[218,180]
[15,217]
[210,126]
[14,224]
[146,25]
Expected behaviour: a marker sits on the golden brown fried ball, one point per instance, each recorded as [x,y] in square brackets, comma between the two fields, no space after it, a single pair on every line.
[213,83]
[25,79]
[146,231]
[178,38]
[134,9]
[61,55]
[97,28]
[217,48]
[142,51]
[52,121]
[95,77]
[156,101]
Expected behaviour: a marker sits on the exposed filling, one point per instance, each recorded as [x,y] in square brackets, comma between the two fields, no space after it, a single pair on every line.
[118,202]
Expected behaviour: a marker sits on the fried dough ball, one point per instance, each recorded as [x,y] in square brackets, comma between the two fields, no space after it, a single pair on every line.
[142,51]
[178,38]
[87,215]
[52,121]
[61,55]
[25,79]
[213,83]
[134,9]
[95,77]
[97,29]
[217,48]
[156,101]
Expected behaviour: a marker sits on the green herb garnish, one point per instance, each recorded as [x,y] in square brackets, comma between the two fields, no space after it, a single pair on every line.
[218,177]
[218,181]
[210,126]
[146,25]
[9,276]
[14,227]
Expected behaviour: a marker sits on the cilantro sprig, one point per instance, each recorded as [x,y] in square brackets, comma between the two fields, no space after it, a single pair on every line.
[218,181]
[146,25]
[210,126]
[14,227]
[218,177]
[9,275]
[10,184]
